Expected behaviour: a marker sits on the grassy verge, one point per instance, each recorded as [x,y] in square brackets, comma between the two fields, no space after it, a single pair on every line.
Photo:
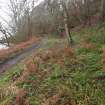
[58,75]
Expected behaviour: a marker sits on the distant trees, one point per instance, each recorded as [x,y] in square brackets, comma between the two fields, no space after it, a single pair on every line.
[52,16]
[18,10]
[24,18]
[87,14]
[59,8]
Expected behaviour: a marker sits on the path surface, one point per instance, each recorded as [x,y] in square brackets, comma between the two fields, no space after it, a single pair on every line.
[11,62]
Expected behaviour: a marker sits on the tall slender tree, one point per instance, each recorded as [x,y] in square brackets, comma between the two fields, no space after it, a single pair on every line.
[66,21]
[103,10]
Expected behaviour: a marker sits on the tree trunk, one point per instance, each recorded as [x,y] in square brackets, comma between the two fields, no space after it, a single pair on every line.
[67,28]
[7,39]
[68,33]
[102,10]
[87,12]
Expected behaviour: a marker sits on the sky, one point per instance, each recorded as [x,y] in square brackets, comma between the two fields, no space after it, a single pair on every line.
[4,11]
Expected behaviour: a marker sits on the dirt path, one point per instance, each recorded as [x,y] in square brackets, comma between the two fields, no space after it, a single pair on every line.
[11,62]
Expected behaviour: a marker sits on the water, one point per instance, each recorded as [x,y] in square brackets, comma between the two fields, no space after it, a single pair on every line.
[13,61]
[2,46]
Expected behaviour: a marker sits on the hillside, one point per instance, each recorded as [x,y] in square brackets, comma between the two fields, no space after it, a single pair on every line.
[59,75]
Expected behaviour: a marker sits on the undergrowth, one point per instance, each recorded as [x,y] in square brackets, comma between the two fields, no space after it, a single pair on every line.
[58,75]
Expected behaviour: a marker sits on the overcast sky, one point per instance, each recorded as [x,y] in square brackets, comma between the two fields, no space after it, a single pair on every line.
[4,11]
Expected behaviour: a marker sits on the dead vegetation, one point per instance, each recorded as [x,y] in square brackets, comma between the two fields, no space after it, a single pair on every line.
[33,68]
[60,75]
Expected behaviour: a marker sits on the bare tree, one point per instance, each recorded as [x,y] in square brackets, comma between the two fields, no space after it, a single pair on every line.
[3,31]
[17,9]
[61,7]
[66,22]
[51,16]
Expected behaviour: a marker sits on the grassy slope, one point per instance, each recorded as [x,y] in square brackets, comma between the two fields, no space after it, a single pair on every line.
[60,76]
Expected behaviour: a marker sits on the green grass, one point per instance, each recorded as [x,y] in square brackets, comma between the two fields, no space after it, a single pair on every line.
[80,82]
[7,78]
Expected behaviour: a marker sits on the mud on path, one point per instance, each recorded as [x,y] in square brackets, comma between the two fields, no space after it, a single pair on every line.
[13,61]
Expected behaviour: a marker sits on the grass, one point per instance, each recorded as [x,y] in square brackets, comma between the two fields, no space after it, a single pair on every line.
[6,89]
[56,75]
[7,78]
